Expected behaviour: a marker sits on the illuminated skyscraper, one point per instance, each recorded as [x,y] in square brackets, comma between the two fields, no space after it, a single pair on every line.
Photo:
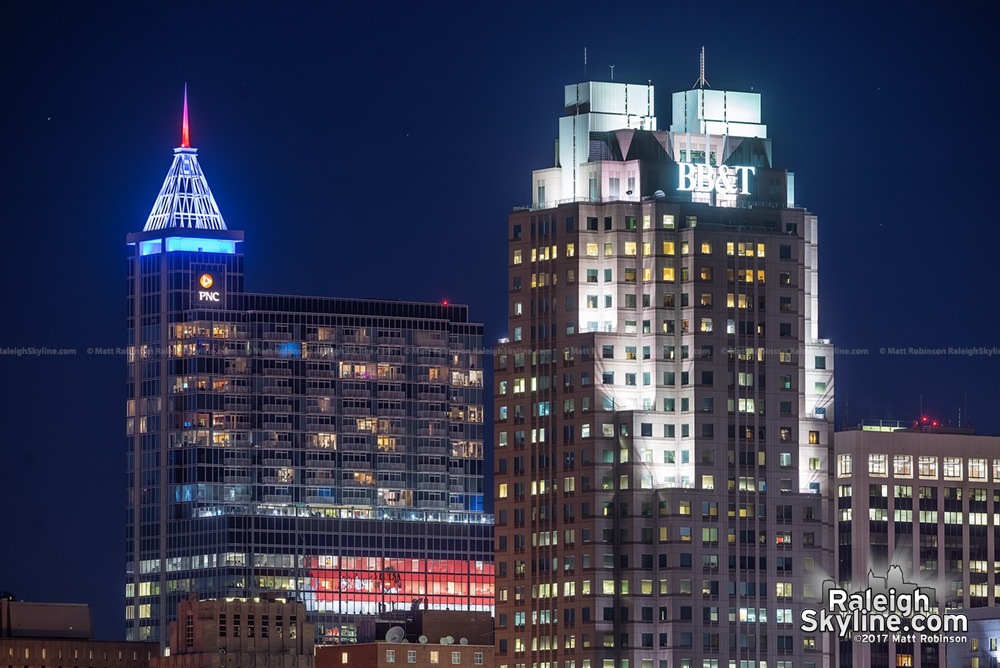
[664,402]
[329,449]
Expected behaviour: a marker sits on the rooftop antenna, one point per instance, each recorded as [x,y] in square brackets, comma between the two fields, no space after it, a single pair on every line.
[701,82]
[185,129]
[612,72]
[584,62]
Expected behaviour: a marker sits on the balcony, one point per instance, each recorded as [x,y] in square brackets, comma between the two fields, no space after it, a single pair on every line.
[320,481]
[277,498]
[317,373]
[276,408]
[319,391]
[276,390]
[277,336]
[277,462]
[432,361]
[320,500]
[277,372]
[353,392]
[277,426]
[386,394]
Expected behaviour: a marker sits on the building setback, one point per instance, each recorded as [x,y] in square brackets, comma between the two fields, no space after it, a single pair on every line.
[664,404]
[330,450]
[927,501]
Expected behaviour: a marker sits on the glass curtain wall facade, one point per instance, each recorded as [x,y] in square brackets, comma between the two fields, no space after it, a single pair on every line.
[327,449]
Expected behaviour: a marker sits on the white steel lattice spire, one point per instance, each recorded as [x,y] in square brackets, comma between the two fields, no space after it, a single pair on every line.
[185,200]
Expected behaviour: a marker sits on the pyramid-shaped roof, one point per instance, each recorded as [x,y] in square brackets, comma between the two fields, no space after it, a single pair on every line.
[185,200]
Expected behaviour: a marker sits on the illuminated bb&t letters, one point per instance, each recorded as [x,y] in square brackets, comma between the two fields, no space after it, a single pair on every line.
[725,179]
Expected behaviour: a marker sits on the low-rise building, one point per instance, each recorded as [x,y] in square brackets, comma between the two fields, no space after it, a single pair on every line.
[37,635]
[426,638]
[266,632]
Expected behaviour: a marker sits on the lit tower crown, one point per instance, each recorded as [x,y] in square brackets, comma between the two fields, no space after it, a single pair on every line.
[185,200]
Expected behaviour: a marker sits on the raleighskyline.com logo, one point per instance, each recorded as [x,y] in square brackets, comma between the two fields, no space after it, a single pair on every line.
[889,609]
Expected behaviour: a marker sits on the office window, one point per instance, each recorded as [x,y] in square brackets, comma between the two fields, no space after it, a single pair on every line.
[927,466]
[953,468]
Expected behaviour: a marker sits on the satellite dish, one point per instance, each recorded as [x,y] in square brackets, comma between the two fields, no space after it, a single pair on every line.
[463,641]
[395,634]
[423,640]
[659,194]
[443,640]
[450,640]
[628,192]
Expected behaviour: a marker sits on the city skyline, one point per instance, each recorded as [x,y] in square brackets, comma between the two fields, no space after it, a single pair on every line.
[97,109]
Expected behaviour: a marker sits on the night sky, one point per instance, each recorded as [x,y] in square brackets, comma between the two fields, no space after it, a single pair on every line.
[374,150]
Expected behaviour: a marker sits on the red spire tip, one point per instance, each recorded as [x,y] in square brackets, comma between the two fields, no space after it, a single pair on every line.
[185,129]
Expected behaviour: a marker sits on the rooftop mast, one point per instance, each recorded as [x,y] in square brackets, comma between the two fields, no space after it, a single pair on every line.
[701,82]
[185,129]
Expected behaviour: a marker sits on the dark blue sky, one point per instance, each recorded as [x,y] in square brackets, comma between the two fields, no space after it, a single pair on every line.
[375,150]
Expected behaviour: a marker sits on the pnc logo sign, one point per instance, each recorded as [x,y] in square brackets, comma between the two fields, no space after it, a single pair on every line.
[725,179]
[206,281]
